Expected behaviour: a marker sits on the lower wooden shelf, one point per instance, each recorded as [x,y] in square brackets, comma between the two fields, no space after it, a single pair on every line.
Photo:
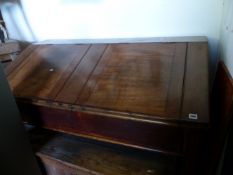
[65,154]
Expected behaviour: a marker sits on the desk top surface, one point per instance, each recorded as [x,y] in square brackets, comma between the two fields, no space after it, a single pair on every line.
[149,81]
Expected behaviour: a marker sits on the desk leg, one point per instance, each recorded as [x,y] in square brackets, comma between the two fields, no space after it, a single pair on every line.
[195,160]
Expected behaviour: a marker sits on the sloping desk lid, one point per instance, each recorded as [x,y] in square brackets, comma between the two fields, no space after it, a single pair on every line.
[166,81]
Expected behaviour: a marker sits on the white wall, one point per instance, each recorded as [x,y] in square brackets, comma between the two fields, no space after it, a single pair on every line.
[226,42]
[75,19]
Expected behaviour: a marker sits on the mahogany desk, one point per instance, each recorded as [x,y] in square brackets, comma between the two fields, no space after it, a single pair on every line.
[152,96]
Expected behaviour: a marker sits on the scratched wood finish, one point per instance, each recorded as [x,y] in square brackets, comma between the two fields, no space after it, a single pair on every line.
[74,85]
[64,154]
[136,95]
[115,84]
[45,70]
[137,78]
[151,79]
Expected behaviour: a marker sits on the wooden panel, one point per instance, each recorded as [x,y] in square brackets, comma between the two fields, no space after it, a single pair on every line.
[196,84]
[64,154]
[29,54]
[71,90]
[143,135]
[79,54]
[46,70]
[139,79]
[20,59]
[176,81]
[136,77]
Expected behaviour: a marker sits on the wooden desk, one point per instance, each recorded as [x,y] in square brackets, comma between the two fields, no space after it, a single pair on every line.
[152,96]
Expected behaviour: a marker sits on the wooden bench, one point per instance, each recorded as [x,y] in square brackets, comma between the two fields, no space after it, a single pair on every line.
[61,154]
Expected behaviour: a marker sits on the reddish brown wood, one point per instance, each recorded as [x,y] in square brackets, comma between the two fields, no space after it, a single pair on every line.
[139,79]
[144,135]
[20,59]
[74,86]
[196,83]
[46,70]
[209,144]
[137,95]
[136,78]
[64,154]
[222,111]
[195,151]
[77,56]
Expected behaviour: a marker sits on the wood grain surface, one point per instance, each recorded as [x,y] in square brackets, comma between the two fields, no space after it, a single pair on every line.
[196,83]
[151,79]
[64,154]
[138,95]
[135,78]
[142,135]
[75,84]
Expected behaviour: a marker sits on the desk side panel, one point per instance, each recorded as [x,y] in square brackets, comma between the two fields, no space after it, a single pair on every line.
[137,134]
[196,84]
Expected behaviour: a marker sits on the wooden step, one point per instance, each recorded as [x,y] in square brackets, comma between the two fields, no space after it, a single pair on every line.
[62,154]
